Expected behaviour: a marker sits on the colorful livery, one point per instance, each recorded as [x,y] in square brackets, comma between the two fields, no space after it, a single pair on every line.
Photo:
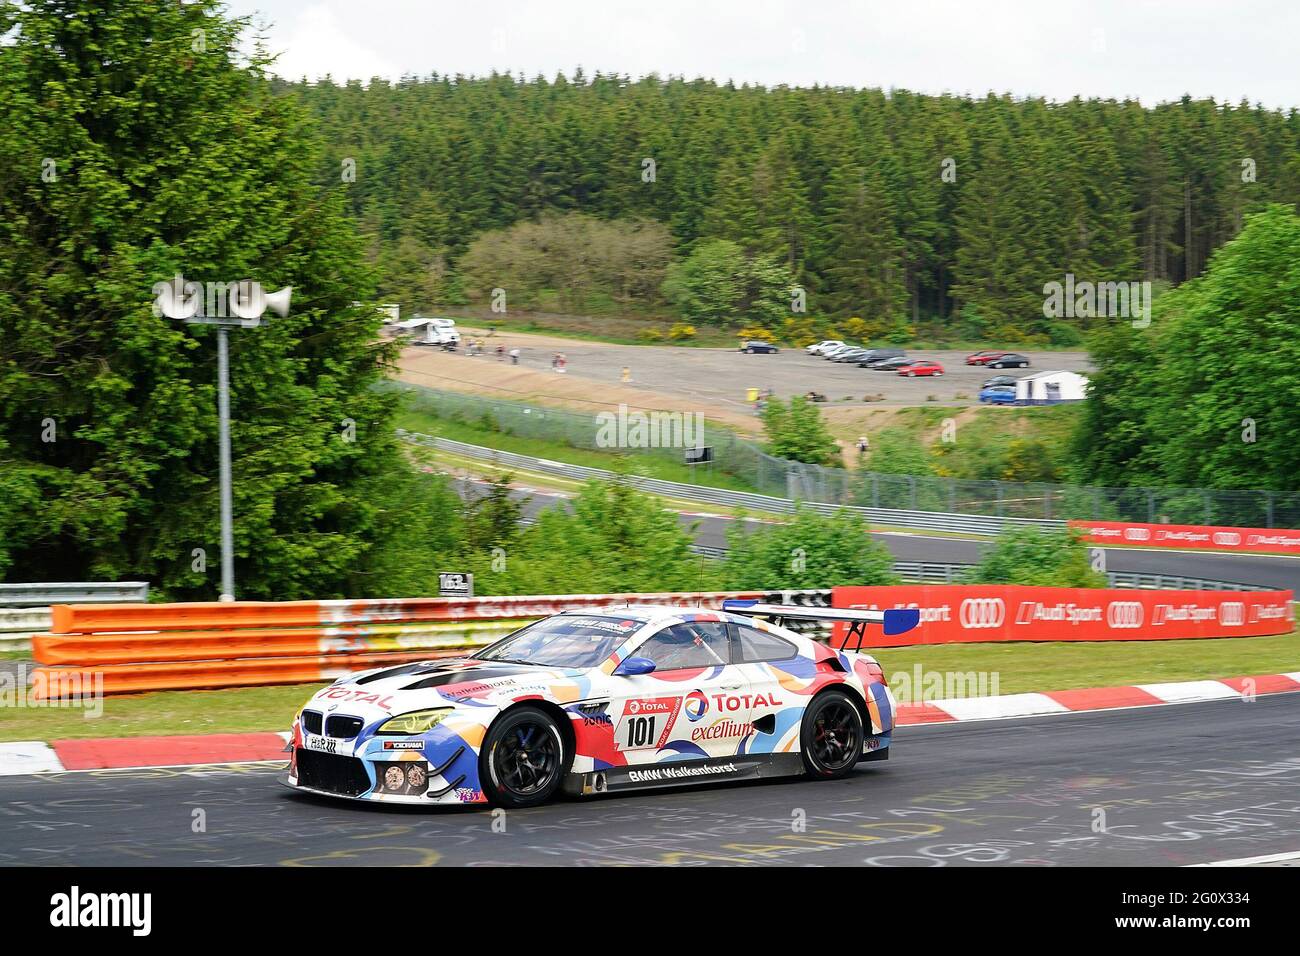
[594,702]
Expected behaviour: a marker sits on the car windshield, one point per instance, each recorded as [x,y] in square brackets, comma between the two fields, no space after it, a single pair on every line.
[563,641]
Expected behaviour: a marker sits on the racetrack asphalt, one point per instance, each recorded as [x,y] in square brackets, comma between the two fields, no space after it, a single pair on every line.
[1269,571]
[1172,785]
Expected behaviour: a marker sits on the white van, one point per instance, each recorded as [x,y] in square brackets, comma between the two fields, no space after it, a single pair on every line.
[422,331]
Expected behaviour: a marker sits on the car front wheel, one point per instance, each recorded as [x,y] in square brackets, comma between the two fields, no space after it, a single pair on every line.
[522,762]
[831,735]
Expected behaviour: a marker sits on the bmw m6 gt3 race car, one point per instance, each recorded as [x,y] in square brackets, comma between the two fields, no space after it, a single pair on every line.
[606,701]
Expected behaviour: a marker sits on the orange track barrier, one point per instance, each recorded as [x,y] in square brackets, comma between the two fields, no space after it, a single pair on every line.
[101,618]
[147,647]
[61,682]
[295,642]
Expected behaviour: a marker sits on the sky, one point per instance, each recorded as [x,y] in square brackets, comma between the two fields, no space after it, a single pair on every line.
[1152,51]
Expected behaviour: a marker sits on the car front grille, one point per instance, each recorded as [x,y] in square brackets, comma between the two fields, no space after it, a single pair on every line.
[311,721]
[344,728]
[332,773]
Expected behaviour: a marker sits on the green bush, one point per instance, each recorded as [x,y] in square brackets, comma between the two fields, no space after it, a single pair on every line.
[1030,555]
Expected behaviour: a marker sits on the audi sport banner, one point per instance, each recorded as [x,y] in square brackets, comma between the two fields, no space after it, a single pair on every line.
[1197,536]
[974,613]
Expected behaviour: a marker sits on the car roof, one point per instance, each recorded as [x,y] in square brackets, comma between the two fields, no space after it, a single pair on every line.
[650,613]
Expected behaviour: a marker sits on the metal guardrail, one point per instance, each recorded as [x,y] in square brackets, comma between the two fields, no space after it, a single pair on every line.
[25,611]
[770,475]
[44,594]
[930,572]
[984,525]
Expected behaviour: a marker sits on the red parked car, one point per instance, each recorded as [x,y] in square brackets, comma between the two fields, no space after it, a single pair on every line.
[922,367]
[983,358]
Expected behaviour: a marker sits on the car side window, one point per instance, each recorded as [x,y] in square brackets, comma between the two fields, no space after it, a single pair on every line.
[754,645]
[696,644]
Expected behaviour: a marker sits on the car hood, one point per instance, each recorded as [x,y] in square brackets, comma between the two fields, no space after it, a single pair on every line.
[443,683]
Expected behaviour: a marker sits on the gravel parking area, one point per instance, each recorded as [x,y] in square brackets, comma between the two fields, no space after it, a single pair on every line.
[719,378]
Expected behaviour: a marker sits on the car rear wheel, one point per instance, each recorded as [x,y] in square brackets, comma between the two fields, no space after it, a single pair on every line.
[831,735]
[522,761]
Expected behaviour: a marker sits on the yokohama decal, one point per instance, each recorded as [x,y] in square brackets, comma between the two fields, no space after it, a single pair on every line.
[959,613]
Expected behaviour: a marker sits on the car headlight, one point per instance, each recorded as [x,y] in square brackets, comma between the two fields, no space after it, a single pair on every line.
[416,722]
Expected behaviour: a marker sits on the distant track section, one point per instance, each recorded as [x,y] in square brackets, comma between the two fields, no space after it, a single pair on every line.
[988,525]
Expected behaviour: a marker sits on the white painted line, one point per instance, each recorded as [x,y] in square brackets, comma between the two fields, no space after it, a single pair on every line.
[1254,860]
[1294,675]
[1181,691]
[1008,705]
[27,756]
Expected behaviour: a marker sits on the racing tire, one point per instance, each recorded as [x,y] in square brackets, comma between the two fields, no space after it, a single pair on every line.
[831,736]
[522,762]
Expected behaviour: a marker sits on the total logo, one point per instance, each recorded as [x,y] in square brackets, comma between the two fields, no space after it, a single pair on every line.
[649,706]
[978,613]
[696,705]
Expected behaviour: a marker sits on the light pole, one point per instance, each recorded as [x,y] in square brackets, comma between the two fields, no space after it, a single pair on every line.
[235,306]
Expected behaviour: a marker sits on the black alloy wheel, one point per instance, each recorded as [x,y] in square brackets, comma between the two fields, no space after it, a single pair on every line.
[832,735]
[522,761]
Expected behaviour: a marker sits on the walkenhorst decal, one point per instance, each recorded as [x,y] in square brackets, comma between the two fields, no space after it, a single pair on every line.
[589,702]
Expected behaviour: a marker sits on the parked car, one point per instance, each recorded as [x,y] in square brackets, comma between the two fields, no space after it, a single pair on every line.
[1008,360]
[878,355]
[821,347]
[754,346]
[984,357]
[998,395]
[850,355]
[921,367]
[892,364]
[831,351]
[999,380]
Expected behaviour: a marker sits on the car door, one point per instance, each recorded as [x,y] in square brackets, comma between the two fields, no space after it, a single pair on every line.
[694,704]
[758,655]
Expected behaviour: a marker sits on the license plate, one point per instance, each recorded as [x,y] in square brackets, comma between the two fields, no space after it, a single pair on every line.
[326,745]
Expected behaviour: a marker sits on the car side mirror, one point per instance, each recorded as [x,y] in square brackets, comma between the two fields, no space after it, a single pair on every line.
[634,667]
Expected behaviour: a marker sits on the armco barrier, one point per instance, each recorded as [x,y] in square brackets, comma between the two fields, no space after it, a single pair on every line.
[1198,537]
[707,495]
[991,613]
[142,647]
[46,593]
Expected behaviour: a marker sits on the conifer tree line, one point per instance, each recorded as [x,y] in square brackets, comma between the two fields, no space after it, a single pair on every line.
[940,212]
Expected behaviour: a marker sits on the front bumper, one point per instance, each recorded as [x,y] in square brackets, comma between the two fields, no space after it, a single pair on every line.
[437,767]
[407,778]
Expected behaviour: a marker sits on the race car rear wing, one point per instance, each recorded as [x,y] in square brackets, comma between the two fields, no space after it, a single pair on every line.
[895,620]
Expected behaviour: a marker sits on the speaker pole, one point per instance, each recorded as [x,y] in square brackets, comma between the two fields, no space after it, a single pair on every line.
[227,496]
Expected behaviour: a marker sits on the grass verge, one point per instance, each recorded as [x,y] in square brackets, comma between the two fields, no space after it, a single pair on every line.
[239,710]
[1020,668]
[664,467]
[1066,665]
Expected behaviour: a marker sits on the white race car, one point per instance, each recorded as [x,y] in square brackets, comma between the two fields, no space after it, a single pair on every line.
[612,700]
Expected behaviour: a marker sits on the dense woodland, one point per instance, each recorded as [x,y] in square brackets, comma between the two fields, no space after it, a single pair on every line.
[841,191]
[132,155]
